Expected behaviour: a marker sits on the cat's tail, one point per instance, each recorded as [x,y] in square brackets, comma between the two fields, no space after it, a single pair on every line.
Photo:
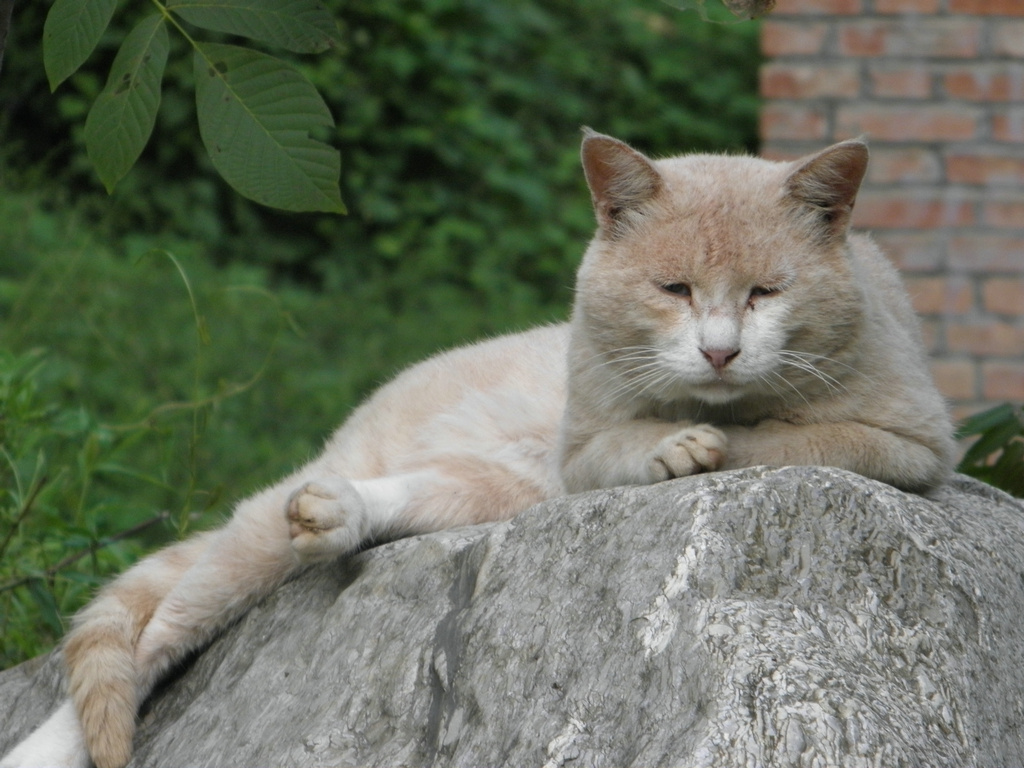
[100,649]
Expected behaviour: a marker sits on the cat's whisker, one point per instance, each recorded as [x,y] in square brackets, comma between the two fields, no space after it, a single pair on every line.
[657,382]
[648,379]
[832,388]
[624,386]
[812,357]
[623,355]
[791,385]
[814,372]
[782,394]
[796,361]
[642,372]
[802,362]
[642,380]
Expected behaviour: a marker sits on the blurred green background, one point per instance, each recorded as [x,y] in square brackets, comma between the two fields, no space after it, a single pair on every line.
[168,349]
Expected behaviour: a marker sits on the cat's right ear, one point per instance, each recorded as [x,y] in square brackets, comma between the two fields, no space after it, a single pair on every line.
[622,181]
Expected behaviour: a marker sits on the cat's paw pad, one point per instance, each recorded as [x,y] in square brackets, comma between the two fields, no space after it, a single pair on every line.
[689,451]
[326,518]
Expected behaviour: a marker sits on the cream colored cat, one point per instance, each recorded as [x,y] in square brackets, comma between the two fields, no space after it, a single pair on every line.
[723,318]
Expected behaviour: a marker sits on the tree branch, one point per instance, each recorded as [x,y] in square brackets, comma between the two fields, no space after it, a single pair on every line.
[26,507]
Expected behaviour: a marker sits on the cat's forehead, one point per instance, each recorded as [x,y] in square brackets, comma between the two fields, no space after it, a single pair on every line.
[726,197]
[724,219]
[734,203]
[723,177]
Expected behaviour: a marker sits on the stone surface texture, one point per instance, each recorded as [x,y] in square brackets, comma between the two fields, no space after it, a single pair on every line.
[763,617]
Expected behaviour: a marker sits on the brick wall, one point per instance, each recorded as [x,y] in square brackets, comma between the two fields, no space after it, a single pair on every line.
[938,87]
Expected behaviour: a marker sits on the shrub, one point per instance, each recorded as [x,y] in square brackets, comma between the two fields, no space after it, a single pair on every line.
[458,123]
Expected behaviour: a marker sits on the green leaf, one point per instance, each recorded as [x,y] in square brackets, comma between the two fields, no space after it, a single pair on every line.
[1008,472]
[122,117]
[89,579]
[47,606]
[985,420]
[303,26]
[255,114]
[71,32]
[993,439]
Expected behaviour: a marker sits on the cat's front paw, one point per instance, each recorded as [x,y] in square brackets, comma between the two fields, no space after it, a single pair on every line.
[326,518]
[689,451]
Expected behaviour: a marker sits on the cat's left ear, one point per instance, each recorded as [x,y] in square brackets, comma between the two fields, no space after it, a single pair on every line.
[827,183]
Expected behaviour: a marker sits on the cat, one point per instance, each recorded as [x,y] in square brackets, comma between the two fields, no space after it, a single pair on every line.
[724,317]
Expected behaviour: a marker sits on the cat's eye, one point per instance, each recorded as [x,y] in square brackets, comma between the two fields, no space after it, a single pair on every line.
[759,292]
[677,289]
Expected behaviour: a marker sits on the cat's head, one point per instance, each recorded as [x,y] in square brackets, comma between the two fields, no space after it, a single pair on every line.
[718,277]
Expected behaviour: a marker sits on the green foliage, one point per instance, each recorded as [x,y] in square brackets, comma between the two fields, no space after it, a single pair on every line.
[458,122]
[997,456]
[52,554]
[233,383]
[165,395]
[742,9]
[255,112]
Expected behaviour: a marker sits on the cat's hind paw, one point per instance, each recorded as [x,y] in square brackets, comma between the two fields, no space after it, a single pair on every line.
[326,518]
[689,451]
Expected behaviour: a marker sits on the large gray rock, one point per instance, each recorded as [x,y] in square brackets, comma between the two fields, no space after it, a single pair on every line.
[797,617]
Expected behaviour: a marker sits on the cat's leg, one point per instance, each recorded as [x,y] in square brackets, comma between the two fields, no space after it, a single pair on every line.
[332,516]
[639,452]
[255,552]
[897,459]
[249,557]
[266,541]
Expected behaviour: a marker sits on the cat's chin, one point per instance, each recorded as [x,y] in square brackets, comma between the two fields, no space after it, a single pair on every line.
[716,394]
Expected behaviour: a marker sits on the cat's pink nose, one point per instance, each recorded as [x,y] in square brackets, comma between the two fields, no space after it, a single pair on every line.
[720,358]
